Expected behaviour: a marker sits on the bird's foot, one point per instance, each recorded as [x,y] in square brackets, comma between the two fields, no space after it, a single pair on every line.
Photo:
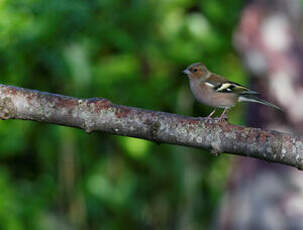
[223,118]
[209,117]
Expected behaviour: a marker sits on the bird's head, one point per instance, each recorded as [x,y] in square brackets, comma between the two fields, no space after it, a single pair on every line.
[196,71]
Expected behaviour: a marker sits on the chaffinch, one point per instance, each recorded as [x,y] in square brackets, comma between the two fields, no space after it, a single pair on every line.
[216,91]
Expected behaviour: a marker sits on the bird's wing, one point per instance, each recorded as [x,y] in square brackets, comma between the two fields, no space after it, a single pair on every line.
[222,85]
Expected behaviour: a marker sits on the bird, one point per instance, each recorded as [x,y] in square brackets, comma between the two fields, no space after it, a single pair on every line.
[218,92]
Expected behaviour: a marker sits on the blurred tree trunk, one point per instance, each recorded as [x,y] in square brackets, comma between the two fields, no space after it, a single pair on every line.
[262,195]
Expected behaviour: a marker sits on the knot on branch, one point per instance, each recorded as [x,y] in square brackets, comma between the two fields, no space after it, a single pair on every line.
[7,108]
[154,128]
[98,104]
[216,148]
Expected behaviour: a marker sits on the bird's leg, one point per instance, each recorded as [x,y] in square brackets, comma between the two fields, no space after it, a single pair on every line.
[209,116]
[223,115]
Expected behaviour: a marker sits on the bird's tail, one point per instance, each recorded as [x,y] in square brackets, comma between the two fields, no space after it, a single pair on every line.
[254,98]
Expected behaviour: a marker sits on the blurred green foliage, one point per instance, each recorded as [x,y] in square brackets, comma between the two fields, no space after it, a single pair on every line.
[131,52]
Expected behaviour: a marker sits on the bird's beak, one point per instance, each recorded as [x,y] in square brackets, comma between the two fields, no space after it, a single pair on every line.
[186,71]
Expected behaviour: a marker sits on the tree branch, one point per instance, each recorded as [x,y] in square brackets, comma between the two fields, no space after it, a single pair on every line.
[98,114]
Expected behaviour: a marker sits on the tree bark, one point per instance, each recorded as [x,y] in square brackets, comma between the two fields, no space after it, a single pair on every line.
[269,40]
[99,114]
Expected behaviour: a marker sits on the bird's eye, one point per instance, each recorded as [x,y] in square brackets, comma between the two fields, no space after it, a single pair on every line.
[195,70]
